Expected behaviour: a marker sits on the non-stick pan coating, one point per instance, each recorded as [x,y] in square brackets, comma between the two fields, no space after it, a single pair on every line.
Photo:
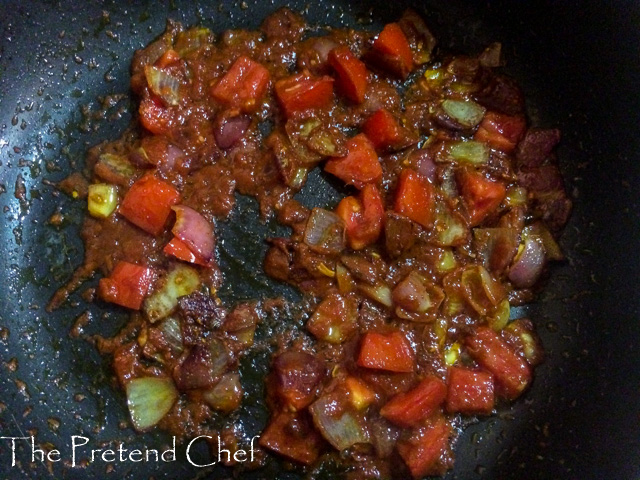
[578,64]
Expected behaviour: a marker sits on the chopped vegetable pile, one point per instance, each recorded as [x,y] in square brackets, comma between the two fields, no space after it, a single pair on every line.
[453,208]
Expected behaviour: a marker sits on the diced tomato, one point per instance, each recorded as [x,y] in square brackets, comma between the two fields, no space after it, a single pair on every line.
[167,58]
[243,86]
[512,373]
[500,131]
[181,251]
[415,197]
[148,203]
[482,195]
[363,217]
[423,451]
[154,116]
[293,436]
[296,375]
[391,352]
[411,408]
[394,51]
[352,76]
[127,285]
[470,391]
[300,92]
[383,130]
[360,166]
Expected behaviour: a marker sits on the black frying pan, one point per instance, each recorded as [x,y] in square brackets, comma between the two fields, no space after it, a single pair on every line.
[579,65]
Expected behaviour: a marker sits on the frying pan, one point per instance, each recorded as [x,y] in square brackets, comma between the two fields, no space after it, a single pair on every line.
[578,64]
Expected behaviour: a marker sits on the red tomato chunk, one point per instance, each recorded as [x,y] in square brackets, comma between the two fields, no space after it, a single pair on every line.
[391,352]
[470,391]
[411,408]
[127,285]
[243,86]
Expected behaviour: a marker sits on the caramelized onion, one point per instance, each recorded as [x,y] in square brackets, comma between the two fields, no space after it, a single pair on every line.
[528,264]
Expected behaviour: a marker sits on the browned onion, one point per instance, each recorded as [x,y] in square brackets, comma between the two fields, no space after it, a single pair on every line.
[528,264]
[194,230]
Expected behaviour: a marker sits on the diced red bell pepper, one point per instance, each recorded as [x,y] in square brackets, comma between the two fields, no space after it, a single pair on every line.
[148,203]
[154,116]
[167,58]
[423,451]
[293,436]
[411,408]
[181,251]
[352,76]
[300,92]
[127,285]
[512,373]
[384,131]
[415,197]
[243,86]
[391,352]
[482,195]
[361,164]
[500,131]
[394,51]
[471,392]
[363,217]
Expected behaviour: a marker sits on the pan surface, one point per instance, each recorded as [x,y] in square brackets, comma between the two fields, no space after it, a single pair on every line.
[64,72]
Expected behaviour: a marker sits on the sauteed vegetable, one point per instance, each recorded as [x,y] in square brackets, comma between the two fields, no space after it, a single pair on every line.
[453,207]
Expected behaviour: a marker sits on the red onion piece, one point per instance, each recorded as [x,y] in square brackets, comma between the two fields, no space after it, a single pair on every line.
[528,265]
[194,230]
[324,232]
[173,154]
[425,164]
[230,130]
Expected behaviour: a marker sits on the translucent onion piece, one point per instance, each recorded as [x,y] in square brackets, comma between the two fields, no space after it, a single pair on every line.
[324,232]
[226,395]
[180,281]
[149,399]
[470,152]
[380,293]
[500,317]
[163,85]
[339,426]
[480,289]
[231,130]
[466,112]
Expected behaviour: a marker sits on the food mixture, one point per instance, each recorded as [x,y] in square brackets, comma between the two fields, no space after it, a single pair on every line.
[452,208]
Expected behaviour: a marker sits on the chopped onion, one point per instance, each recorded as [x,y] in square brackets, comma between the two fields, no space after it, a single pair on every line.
[149,399]
[449,227]
[180,281]
[226,395]
[335,319]
[323,45]
[446,261]
[466,112]
[529,262]
[194,230]
[416,299]
[338,425]
[231,130]
[469,151]
[480,289]
[344,279]
[192,39]
[380,293]
[500,317]
[551,247]
[496,246]
[203,366]
[115,169]
[163,84]
[324,232]
[423,160]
